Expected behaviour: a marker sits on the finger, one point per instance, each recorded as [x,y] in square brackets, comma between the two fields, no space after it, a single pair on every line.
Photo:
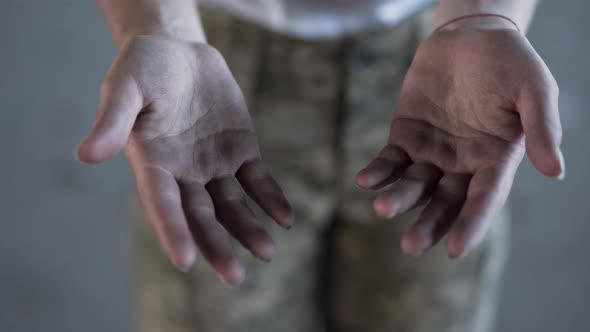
[539,112]
[234,214]
[160,197]
[385,169]
[265,191]
[209,235]
[120,102]
[487,193]
[414,187]
[438,216]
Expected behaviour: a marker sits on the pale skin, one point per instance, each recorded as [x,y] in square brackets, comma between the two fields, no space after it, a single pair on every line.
[476,99]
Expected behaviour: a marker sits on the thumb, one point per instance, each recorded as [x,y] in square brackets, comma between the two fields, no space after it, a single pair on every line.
[539,113]
[120,103]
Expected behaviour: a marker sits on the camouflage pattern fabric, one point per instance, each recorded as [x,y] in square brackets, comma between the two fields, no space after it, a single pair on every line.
[322,111]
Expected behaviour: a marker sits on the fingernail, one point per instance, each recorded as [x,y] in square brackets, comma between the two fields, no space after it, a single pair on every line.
[561,176]
[237,279]
[184,269]
[457,255]
[360,181]
[286,219]
[183,258]
[455,252]
[225,282]
[411,250]
[266,260]
[414,254]
[383,211]
[233,274]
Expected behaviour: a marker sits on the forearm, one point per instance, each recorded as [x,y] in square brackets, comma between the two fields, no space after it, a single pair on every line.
[129,18]
[520,11]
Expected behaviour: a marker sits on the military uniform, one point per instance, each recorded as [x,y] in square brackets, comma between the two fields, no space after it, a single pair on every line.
[322,111]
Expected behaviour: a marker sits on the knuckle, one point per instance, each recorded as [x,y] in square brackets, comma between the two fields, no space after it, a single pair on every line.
[210,54]
[453,188]
[552,85]
[421,171]
[550,88]
[107,84]
[548,85]
[393,153]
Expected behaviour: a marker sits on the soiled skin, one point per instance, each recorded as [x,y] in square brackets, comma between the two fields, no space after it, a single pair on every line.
[191,146]
[461,122]
[476,98]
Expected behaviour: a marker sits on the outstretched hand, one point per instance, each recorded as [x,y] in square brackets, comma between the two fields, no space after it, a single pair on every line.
[472,103]
[181,118]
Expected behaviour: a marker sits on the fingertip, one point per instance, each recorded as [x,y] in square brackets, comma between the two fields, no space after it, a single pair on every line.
[288,218]
[457,247]
[261,245]
[362,180]
[233,273]
[411,246]
[266,192]
[86,154]
[265,250]
[561,159]
[561,177]
[96,150]
[370,177]
[287,223]
[554,171]
[384,208]
[547,160]
[184,259]
[284,214]
[417,239]
[554,168]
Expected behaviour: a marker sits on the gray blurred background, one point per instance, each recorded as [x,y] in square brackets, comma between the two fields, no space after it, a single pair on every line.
[64,261]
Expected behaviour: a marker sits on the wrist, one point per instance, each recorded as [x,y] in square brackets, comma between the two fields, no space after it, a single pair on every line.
[520,12]
[177,19]
[482,21]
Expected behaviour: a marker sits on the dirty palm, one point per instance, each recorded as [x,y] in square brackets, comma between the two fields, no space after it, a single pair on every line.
[464,120]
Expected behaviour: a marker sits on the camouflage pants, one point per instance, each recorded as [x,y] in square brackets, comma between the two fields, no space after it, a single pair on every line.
[322,110]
